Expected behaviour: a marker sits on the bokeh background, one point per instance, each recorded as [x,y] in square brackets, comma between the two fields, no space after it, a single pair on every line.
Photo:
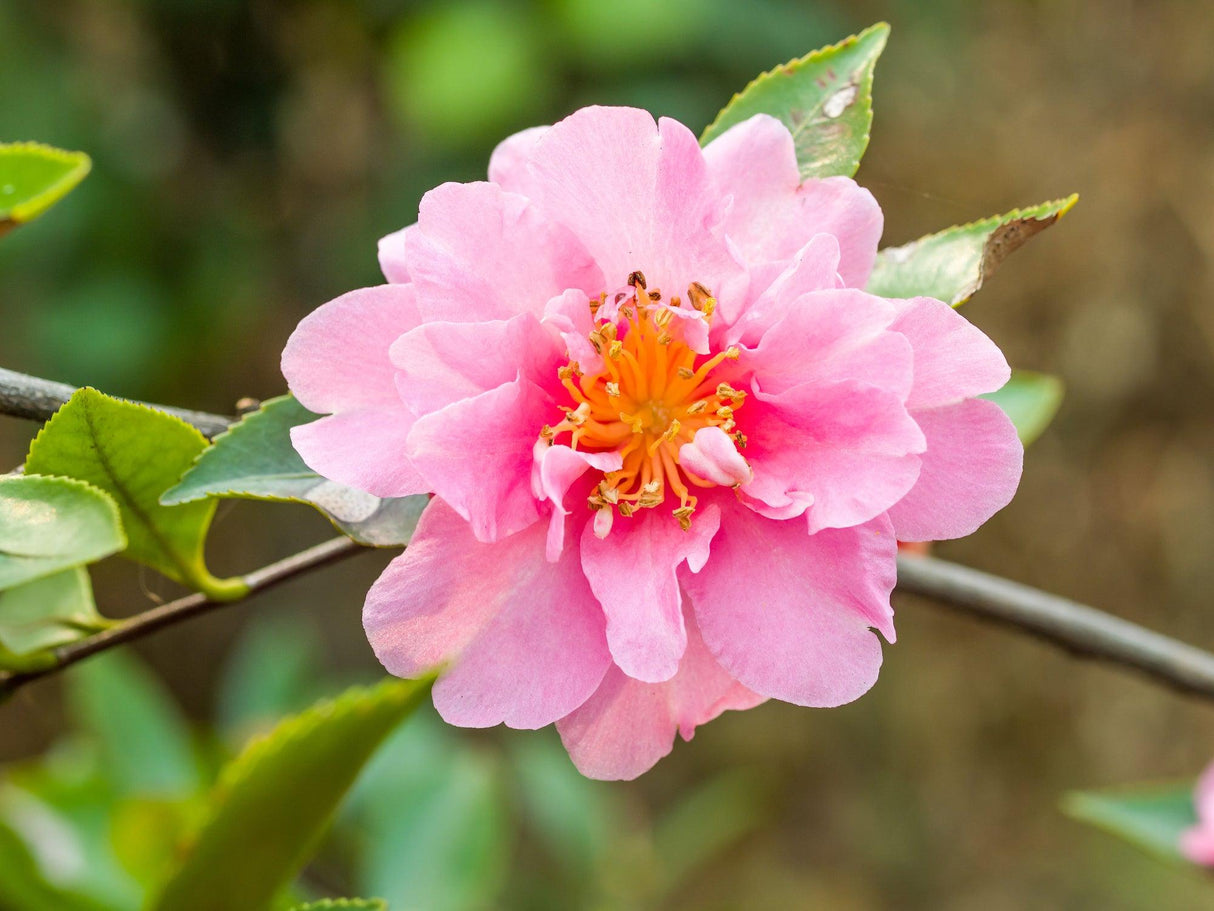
[248,155]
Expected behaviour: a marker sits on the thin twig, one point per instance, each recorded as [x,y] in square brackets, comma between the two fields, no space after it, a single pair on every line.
[173,612]
[30,397]
[1081,630]
[1077,628]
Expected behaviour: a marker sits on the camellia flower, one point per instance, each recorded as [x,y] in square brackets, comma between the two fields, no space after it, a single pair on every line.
[671,445]
[1197,842]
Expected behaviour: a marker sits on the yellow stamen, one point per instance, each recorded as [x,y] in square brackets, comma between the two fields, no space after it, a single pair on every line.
[651,395]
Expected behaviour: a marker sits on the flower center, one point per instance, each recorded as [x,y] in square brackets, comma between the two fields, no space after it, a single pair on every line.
[652,395]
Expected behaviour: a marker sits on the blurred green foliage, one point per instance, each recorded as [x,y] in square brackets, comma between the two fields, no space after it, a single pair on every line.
[247,155]
[109,810]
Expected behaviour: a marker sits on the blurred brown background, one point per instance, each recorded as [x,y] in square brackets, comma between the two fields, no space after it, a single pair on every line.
[247,156]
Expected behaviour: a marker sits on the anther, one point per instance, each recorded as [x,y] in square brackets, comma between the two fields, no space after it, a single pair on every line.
[615,349]
[697,407]
[683,514]
[636,279]
[613,389]
[578,416]
[686,373]
[626,509]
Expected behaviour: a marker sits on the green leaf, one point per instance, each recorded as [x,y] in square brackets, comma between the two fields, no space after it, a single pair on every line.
[952,264]
[348,904]
[135,453]
[23,886]
[62,807]
[275,800]
[1151,817]
[271,673]
[144,741]
[33,177]
[825,100]
[144,832]
[255,460]
[1031,400]
[736,802]
[48,612]
[51,524]
[571,814]
[433,823]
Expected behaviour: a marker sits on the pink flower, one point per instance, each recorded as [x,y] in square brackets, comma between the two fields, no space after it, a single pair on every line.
[1197,842]
[674,337]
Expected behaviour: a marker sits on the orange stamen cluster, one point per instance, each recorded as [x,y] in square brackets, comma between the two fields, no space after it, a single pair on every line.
[649,399]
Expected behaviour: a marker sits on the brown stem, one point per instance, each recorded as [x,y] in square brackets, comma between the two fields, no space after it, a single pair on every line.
[1081,630]
[176,611]
[37,399]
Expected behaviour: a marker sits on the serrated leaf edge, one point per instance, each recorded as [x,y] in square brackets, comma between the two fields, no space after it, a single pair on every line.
[110,503]
[334,904]
[882,28]
[1039,212]
[199,576]
[234,494]
[354,700]
[83,164]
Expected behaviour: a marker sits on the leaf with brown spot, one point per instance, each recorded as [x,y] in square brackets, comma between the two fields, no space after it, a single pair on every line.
[825,100]
[952,264]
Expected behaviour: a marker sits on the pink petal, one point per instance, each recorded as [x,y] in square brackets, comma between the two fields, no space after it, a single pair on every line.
[477,453]
[480,253]
[628,725]
[689,326]
[508,163]
[788,614]
[848,451]
[393,261]
[970,471]
[713,456]
[569,314]
[556,469]
[776,288]
[1196,844]
[524,638]
[637,196]
[830,337]
[364,449]
[440,363]
[632,573]
[337,357]
[954,360]
[1203,795]
[774,214]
